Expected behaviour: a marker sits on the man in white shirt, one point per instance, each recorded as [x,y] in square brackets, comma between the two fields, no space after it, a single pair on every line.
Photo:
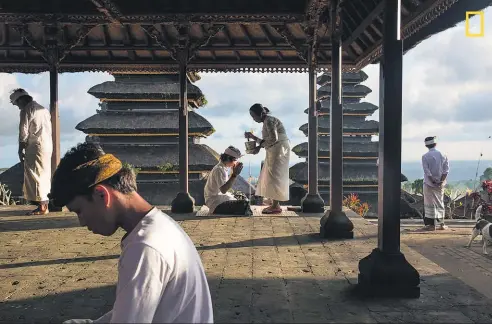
[35,149]
[160,275]
[436,169]
[217,198]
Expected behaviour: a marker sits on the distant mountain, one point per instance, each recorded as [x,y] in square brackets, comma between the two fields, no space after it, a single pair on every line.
[459,170]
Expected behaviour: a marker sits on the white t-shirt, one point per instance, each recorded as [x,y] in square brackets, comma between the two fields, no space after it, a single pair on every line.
[216,179]
[160,276]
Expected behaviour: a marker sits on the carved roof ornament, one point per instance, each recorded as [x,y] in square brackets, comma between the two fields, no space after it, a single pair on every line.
[54,49]
[183,42]
[159,38]
[316,15]
[209,33]
[167,19]
[337,25]
[284,31]
[109,9]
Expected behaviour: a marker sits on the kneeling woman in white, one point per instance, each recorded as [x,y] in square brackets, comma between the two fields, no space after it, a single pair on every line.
[273,182]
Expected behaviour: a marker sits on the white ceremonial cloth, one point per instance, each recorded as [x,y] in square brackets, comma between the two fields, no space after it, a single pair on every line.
[274,182]
[35,130]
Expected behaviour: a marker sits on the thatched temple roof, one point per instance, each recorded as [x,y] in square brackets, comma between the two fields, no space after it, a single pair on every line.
[353,173]
[348,91]
[358,108]
[162,122]
[350,149]
[347,78]
[143,90]
[350,126]
[164,157]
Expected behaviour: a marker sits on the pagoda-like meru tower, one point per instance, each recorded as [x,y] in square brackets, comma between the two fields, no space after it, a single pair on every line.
[360,153]
[138,123]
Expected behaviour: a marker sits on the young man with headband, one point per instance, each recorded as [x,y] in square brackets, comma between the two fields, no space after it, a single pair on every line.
[160,275]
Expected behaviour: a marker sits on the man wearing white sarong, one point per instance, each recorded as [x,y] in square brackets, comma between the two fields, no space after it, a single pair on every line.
[273,182]
[436,169]
[35,149]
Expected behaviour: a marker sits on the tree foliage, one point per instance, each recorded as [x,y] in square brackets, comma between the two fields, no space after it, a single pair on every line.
[487,174]
[418,187]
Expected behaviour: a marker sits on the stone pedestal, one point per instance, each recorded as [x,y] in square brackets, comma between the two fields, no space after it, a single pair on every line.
[183,203]
[336,225]
[387,275]
[53,208]
[312,203]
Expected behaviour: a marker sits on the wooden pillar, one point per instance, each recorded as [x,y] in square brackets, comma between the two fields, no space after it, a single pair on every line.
[183,203]
[386,272]
[336,119]
[55,117]
[312,202]
[335,223]
[183,125]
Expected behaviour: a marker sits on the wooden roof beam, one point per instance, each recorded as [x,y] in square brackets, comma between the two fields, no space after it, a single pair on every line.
[291,40]
[109,9]
[316,13]
[363,25]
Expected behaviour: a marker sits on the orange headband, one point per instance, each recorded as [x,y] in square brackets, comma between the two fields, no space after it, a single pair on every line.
[108,165]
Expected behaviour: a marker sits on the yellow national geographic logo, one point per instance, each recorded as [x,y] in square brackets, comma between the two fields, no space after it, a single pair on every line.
[471,32]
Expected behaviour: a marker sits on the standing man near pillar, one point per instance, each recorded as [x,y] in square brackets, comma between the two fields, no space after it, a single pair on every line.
[436,168]
[35,149]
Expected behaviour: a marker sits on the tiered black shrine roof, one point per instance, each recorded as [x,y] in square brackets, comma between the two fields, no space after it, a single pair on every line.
[359,151]
[139,124]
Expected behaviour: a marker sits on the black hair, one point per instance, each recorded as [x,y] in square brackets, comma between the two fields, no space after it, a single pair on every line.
[429,139]
[67,184]
[227,158]
[258,109]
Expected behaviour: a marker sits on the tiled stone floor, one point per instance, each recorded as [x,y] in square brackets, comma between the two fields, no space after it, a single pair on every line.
[260,269]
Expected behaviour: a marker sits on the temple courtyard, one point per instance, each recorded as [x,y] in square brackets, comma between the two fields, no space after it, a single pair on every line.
[260,269]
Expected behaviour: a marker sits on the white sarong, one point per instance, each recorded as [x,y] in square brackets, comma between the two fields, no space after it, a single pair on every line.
[37,174]
[434,202]
[273,182]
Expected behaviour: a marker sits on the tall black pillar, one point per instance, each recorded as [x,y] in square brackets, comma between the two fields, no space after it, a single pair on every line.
[183,203]
[312,202]
[335,223]
[53,61]
[386,272]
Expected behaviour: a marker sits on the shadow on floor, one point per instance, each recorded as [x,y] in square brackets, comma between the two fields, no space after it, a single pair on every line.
[58,261]
[289,240]
[38,223]
[443,298]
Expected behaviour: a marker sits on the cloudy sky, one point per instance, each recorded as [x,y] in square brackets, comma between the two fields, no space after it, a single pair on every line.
[447,92]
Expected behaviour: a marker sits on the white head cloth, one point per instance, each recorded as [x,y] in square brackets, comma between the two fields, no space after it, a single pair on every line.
[232,151]
[17,94]
[431,141]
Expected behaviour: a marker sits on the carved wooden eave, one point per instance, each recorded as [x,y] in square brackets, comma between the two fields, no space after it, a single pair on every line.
[109,9]
[224,35]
